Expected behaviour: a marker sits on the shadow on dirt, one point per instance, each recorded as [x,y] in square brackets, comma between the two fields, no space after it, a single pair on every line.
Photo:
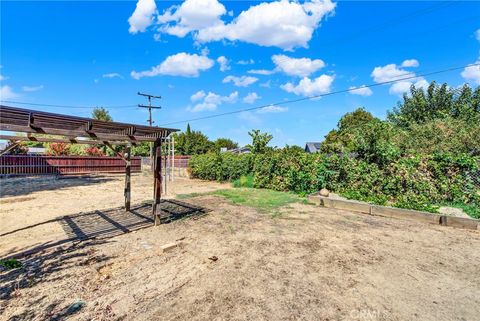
[19,186]
[105,224]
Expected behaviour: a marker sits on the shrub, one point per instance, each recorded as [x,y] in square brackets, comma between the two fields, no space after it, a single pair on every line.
[220,166]
[413,181]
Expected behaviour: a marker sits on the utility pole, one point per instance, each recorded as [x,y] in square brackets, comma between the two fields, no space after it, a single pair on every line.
[150,107]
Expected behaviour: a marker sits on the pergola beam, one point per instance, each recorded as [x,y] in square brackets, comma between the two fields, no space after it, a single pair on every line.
[81,133]
[59,140]
[31,121]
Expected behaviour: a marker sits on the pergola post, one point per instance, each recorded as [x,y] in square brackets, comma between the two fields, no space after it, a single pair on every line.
[157,181]
[128,163]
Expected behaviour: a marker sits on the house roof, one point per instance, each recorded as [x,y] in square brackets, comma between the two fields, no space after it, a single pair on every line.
[312,147]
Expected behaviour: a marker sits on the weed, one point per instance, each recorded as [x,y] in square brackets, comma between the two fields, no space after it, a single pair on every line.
[10,264]
[244,181]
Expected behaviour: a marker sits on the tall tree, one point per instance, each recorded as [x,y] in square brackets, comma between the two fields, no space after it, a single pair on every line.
[192,142]
[224,143]
[437,102]
[342,139]
[101,113]
[259,141]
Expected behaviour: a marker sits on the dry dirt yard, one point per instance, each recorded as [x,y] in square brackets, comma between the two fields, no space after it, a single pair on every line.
[308,263]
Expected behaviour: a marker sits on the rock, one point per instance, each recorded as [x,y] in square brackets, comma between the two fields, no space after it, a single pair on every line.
[324,192]
[452,211]
[168,247]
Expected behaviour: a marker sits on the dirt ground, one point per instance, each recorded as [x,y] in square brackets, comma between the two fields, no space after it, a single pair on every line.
[37,203]
[309,263]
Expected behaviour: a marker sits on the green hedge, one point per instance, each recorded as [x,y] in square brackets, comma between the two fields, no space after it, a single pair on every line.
[414,181]
[221,167]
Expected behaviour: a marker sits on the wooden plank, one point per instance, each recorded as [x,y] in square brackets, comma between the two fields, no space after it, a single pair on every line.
[127,179]
[157,181]
[58,140]
[77,133]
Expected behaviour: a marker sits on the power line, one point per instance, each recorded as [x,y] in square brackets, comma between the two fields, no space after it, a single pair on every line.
[323,95]
[64,106]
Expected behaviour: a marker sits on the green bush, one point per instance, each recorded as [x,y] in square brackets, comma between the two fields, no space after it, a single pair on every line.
[221,166]
[412,181]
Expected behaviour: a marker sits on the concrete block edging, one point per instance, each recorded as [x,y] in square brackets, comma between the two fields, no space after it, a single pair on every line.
[387,211]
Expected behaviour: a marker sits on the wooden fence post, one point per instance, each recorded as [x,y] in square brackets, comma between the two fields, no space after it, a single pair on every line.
[128,163]
[157,181]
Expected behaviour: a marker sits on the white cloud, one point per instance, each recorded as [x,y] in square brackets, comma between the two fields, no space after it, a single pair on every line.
[251,98]
[477,34]
[246,62]
[472,73]
[410,63]
[401,87]
[362,91]
[392,72]
[32,88]
[243,81]
[142,17]
[210,101]
[223,61]
[307,87]
[112,75]
[285,24]
[232,98]
[6,92]
[261,71]
[301,67]
[389,73]
[190,16]
[272,109]
[181,64]
[197,96]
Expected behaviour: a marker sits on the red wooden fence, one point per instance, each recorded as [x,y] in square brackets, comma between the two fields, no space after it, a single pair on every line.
[39,164]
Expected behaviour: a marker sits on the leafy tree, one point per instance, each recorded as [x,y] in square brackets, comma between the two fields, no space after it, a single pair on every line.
[225,143]
[20,149]
[295,149]
[142,149]
[373,142]
[341,140]
[437,102]
[101,113]
[259,141]
[192,142]
[439,119]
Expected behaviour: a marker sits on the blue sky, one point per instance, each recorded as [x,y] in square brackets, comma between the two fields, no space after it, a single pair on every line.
[208,57]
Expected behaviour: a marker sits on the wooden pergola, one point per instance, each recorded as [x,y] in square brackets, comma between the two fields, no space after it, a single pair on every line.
[78,130]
